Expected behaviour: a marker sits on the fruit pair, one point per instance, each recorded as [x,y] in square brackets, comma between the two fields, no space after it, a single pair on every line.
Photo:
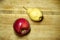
[22,26]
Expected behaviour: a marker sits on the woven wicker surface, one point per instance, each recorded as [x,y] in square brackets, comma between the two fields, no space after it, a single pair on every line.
[48,29]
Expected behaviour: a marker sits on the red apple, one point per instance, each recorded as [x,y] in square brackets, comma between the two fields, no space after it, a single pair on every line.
[21,26]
